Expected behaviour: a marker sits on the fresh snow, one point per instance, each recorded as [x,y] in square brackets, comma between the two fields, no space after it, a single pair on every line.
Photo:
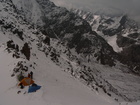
[58,87]
[112,42]
[31,8]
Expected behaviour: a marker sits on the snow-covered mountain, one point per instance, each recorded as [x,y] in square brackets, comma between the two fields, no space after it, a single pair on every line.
[121,32]
[107,25]
[72,29]
[69,68]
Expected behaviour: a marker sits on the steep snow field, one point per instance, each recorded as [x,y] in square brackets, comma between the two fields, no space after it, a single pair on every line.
[58,87]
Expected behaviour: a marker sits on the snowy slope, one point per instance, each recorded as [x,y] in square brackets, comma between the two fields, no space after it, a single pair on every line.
[58,87]
[49,63]
[30,9]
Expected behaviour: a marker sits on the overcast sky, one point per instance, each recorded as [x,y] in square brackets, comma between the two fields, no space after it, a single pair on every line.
[131,7]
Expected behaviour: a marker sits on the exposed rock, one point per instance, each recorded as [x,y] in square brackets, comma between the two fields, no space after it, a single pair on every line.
[26,51]
[124,41]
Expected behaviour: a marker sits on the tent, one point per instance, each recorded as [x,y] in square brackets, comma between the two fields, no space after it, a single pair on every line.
[26,81]
[33,88]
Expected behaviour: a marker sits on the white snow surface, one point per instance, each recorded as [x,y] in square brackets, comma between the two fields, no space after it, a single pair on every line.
[112,42]
[31,9]
[58,87]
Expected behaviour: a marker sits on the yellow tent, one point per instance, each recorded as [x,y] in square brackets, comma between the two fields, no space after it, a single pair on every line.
[26,81]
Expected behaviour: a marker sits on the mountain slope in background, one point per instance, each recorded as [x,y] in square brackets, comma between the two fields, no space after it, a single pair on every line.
[73,30]
[121,32]
[67,53]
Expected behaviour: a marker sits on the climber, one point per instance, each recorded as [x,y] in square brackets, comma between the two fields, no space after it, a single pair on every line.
[21,85]
[31,75]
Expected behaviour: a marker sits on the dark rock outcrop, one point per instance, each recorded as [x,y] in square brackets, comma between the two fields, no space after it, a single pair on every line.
[26,51]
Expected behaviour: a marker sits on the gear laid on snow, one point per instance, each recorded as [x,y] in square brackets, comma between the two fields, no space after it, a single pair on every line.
[26,81]
[33,88]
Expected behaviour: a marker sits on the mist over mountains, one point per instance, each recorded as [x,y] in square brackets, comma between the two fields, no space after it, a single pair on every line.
[111,7]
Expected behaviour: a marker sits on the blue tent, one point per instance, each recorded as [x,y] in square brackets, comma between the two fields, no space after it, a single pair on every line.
[33,88]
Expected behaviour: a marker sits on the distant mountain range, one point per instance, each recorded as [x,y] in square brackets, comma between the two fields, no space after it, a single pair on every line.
[121,32]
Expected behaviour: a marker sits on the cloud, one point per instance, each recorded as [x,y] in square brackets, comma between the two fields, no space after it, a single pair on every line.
[130,7]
